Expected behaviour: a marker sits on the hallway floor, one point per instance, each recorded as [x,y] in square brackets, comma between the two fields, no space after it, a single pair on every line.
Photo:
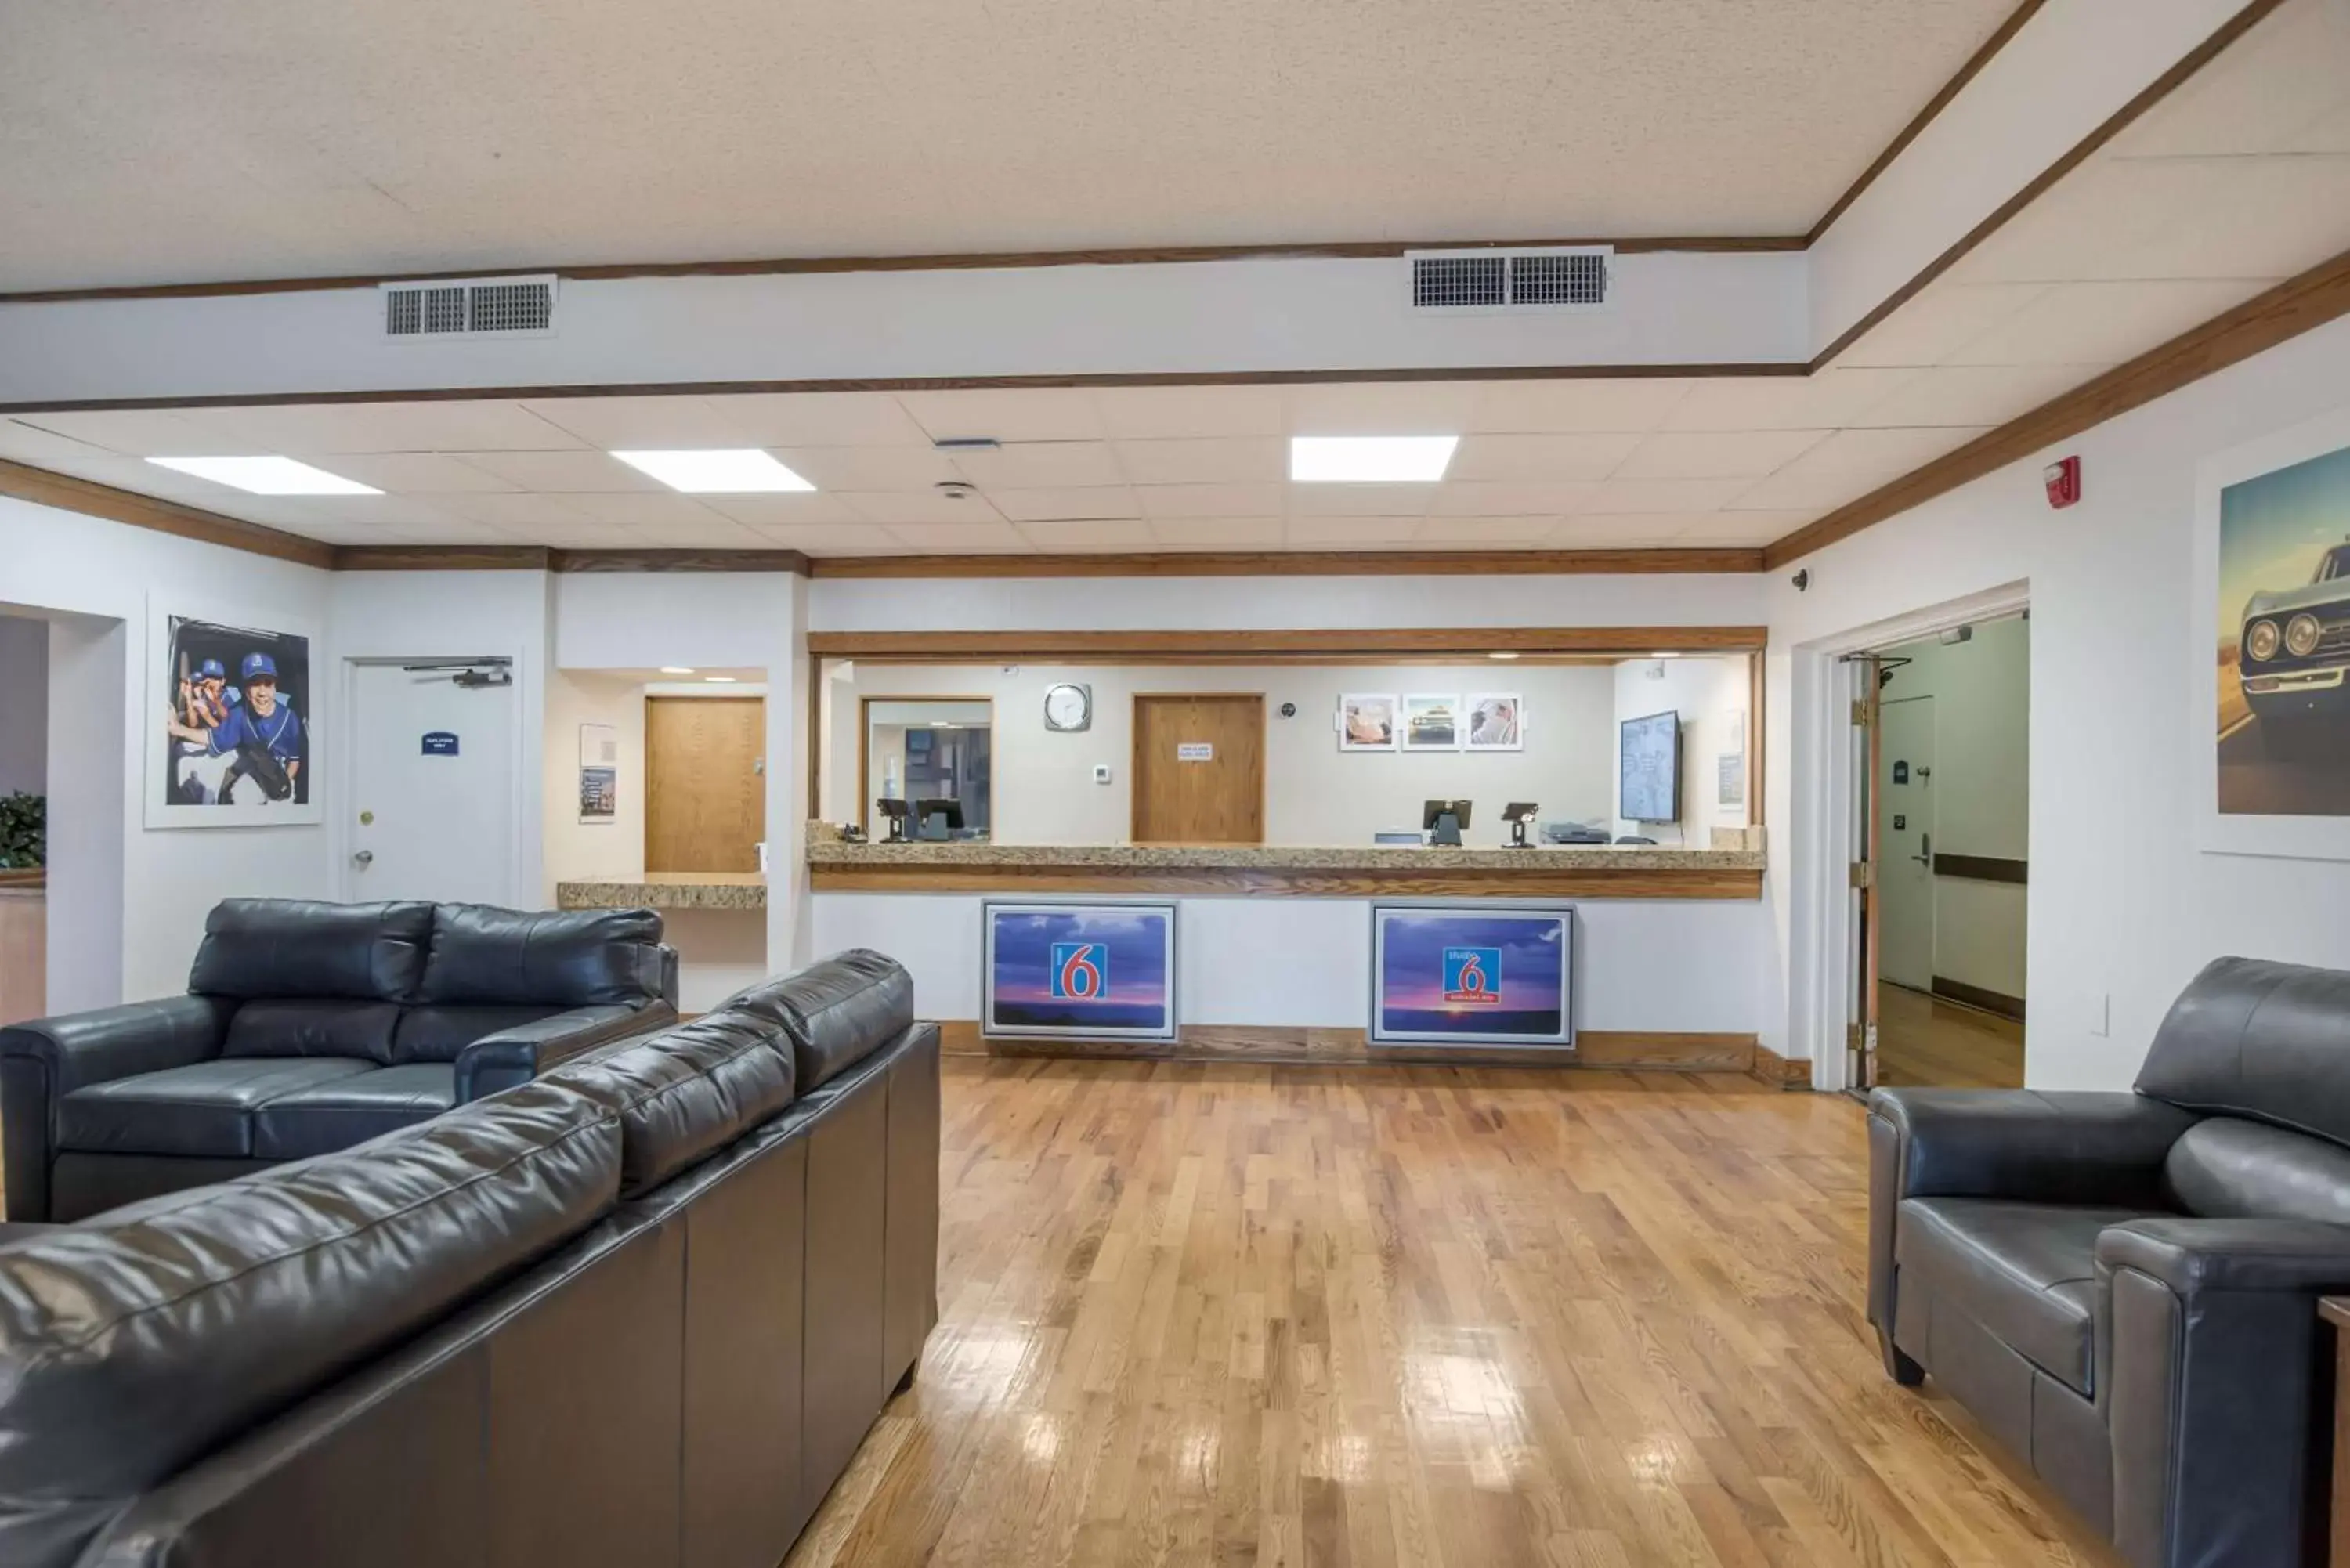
[1227,1314]
[1922,1039]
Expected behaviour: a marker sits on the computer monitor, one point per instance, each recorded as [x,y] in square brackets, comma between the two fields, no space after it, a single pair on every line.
[1443,820]
[939,818]
[1517,814]
[893,808]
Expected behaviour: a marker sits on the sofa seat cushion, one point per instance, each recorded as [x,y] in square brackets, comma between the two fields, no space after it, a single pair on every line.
[347,1111]
[436,1033]
[204,1108]
[2025,1271]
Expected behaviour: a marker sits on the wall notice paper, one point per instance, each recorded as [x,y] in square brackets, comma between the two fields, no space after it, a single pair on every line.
[600,773]
[1733,778]
[1195,752]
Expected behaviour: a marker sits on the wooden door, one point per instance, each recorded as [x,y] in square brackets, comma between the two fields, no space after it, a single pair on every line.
[1199,768]
[705,784]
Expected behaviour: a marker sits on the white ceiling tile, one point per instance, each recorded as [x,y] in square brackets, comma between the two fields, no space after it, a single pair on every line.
[1634,403]
[1216,460]
[828,539]
[2103,323]
[1613,531]
[869,467]
[921,506]
[1006,414]
[2261,95]
[1149,413]
[1350,532]
[642,424]
[796,508]
[1041,465]
[142,433]
[644,510]
[1637,495]
[1815,492]
[1382,408]
[1819,401]
[707,531]
[1975,395]
[2243,218]
[1061,505]
[2074,231]
[1559,455]
[573,536]
[150,478]
[960,538]
[1213,500]
[820,419]
[22,442]
[1448,531]
[323,429]
[1744,528]
[1941,318]
[1359,500]
[1715,454]
[1217,533]
[1876,455]
[425,473]
[579,472]
[1090,533]
[516,511]
[383,513]
[1471,498]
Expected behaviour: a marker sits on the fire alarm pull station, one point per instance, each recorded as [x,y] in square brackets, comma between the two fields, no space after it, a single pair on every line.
[2064,480]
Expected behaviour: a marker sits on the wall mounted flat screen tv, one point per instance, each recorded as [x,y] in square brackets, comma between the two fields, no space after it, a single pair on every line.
[1650,760]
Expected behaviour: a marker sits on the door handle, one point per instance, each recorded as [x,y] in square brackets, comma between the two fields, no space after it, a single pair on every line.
[1925,856]
[363,858]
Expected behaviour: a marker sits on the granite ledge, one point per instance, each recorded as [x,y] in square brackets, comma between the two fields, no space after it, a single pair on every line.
[838,854]
[669,890]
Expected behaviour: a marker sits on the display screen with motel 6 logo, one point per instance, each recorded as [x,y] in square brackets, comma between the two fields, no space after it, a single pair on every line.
[1472,975]
[1102,971]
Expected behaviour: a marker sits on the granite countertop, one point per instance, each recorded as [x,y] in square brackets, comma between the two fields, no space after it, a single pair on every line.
[669,890]
[832,851]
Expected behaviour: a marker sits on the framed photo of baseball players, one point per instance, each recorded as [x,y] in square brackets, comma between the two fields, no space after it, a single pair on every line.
[230,737]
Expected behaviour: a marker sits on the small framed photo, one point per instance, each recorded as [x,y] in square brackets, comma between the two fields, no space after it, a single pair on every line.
[1367,723]
[1432,723]
[1496,721]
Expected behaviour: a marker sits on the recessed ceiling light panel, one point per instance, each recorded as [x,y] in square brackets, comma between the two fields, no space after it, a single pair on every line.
[267,475]
[1370,460]
[740,471]
[677,669]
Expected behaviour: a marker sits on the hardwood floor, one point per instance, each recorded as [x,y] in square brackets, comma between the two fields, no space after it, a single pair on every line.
[1203,1313]
[1922,1039]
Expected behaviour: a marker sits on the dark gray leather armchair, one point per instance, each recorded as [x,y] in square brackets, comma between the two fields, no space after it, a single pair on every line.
[310,1028]
[2123,1287]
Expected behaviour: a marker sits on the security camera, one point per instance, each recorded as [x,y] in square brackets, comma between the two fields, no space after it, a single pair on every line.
[1802,579]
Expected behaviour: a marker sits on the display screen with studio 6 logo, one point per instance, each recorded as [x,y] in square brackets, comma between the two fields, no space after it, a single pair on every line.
[1472,976]
[1080,971]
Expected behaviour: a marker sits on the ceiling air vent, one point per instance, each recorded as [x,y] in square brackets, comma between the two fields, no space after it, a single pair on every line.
[1485,281]
[469,308]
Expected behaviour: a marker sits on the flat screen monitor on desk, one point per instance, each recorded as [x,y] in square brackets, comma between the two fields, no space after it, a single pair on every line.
[940,818]
[1650,769]
[1443,820]
[894,809]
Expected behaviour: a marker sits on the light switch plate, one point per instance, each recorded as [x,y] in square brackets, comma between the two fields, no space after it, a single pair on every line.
[1101,773]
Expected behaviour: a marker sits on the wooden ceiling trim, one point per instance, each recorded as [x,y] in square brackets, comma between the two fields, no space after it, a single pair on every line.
[1295,564]
[94,500]
[1146,646]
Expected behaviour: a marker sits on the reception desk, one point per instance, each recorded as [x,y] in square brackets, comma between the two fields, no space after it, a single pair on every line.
[1673,946]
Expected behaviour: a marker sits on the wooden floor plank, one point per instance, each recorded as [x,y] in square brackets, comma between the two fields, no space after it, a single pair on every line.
[1213,1313]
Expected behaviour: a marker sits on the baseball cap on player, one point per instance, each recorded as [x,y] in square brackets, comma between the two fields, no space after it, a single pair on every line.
[211,669]
[259,664]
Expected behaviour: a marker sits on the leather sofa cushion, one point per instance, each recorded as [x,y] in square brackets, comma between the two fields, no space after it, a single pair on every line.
[2259,1040]
[139,1340]
[836,1013]
[576,958]
[324,1027]
[297,946]
[335,1116]
[2225,1169]
[684,1092]
[204,1108]
[2025,1271]
[437,1033]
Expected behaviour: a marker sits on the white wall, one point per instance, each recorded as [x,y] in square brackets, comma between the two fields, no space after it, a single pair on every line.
[1315,793]
[23,705]
[2122,904]
[1711,695]
[612,849]
[127,905]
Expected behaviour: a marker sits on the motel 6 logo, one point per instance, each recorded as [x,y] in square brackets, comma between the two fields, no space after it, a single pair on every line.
[1080,972]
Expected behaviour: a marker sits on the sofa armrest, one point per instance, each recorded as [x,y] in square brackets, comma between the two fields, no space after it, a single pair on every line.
[45,1059]
[518,1054]
[2212,1333]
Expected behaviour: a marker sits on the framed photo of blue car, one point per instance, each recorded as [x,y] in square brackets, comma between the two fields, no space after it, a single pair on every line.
[1078,971]
[1472,975]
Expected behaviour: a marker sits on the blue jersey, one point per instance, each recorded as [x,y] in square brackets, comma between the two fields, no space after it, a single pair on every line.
[281,732]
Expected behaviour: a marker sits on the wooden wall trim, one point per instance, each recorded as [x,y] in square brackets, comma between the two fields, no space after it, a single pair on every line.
[1608,1049]
[93,499]
[1983,868]
[1297,563]
[2296,305]
[1128,646]
[1989,1001]
[1782,1072]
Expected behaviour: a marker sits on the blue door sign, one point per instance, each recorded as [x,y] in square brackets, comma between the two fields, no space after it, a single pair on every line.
[440,742]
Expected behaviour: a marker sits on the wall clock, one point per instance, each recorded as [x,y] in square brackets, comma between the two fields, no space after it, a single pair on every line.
[1069,707]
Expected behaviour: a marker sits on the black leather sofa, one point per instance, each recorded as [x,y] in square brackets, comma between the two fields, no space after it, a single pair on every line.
[639,1312]
[2123,1287]
[308,1028]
